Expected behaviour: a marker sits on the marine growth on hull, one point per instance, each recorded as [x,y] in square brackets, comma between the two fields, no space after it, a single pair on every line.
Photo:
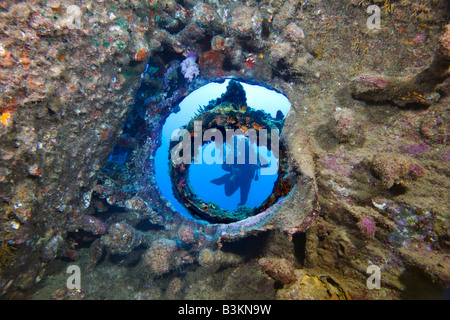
[217,149]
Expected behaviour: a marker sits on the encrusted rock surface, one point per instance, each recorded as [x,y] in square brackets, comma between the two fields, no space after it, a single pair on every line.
[279,269]
[396,169]
[381,168]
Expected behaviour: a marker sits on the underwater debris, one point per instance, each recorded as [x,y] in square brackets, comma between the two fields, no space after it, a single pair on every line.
[216,259]
[121,239]
[205,257]
[280,270]
[52,248]
[161,256]
[89,223]
[186,235]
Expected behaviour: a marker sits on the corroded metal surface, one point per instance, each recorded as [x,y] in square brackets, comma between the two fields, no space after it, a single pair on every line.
[359,97]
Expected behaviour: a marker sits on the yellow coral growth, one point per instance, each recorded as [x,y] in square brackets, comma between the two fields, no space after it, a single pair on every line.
[4,118]
[6,252]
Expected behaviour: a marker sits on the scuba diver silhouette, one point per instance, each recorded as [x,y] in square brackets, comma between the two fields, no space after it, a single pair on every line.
[240,176]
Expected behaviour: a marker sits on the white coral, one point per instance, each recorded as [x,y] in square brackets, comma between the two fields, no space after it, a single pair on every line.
[189,68]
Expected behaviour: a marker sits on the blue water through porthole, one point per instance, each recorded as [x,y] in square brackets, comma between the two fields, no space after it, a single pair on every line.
[261,182]
[201,175]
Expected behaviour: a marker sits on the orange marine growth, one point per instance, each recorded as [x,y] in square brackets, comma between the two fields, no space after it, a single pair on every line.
[256,126]
[141,55]
[4,118]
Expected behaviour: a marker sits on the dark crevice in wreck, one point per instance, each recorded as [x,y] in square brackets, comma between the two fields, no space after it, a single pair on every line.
[82,239]
[174,29]
[398,190]
[419,287]
[129,260]
[283,70]
[228,65]
[266,29]
[167,55]
[205,43]
[146,225]
[249,247]
[299,241]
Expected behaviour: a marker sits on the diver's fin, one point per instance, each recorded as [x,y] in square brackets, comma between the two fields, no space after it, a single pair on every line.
[231,185]
[222,180]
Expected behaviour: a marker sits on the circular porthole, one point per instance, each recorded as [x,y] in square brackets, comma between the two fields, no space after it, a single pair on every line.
[226,158]
[227,162]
